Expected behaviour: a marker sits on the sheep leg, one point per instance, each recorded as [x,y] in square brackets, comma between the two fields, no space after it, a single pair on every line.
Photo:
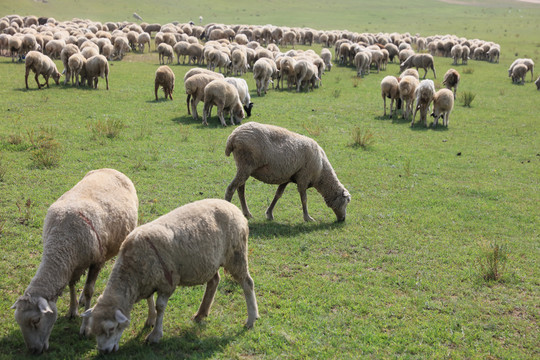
[206,113]
[194,113]
[221,117]
[151,319]
[303,199]
[72,312]
[425,74]
[384,102]
[251,301]
[157,333]
[156,88]
[414,115]
[208,298]
[26,77]
[391,106]
[279,193]
[106,81]
[37,81]
[87,293]
[242,197]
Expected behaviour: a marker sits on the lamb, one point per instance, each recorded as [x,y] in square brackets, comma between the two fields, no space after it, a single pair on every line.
[424,96]
[243,93]
[451,80]
[194,86]
[407,88]
[185,247]
[518,73]
[424,61]
[326,55]
[164,78]
[390,89]
[165,51]
[76,64]
[226,98]
[443,103]
[263,72]
[528,62]
[96,66]
[41,65]
[275,155]
[82,230]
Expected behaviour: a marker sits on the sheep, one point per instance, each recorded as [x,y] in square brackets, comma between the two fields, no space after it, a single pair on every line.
[393,51]
[286,71]
[407,88]
[528,62]
[180,49]
[82,230]
[195,53]
[361,62]
[76,64]
[195,71]
[410,72]
[53,48]
[465,54]
[451,80]
[225,96]
[243,92]
[185,247]
[121,46]
[326,55]
[194,86]
[263,71]
[424,96]
[275,155]
[15,47]
[424,61]
[164,78]
[389,89]
[108,51]
[239,62]
[65,54]
[537,83]
[89,51]
[443,103]
[165,51]
[456,52]
[219,59]
[518,73]
[96,66]
[306,73]
[41,65]
[142,39]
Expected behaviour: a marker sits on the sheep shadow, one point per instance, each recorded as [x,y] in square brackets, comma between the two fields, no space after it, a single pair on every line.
[271,229]
[213,122]
[185,345]
[64,335]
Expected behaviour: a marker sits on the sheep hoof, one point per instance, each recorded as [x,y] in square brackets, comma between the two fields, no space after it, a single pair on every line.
[154,337]
[308,218]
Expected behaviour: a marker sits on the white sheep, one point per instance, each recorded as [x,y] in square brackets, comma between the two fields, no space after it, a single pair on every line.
[518,73]
[76,64]
[457,53]
[165,78]
[185,247]
[451,80]
[65,54]
[424,96]
[180,49]
[443,103]
[143,39]
[275,155]
[407,88]
[424,61]
[239,62]
[527,62]
[53,48]
[306,73]
[121,46]
[326,55]
[263,72]
[82,230]
[410,72]
[219,59]
[362,60]
[165,52]
[41,65]
[225,96]
[390,89]
[194,86]
[95,67]
[243,93]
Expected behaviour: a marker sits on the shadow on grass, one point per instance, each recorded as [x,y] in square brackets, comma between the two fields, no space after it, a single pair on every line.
[270,229]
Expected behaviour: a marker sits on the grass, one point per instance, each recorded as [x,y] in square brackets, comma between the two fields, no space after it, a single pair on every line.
[492,260]
[398,279]
[467,98]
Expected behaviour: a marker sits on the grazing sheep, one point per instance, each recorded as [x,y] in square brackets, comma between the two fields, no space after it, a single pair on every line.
[225,96]
[195,53]
[185,247]
[53,48]
[527,62]
[410,72]
[443,103]
[82,230]
[239,62]
[361,62]
[390,89]
[326,55]
[220,60]
[393,51]
[96,66]
[407,88]
[41,65]
[263,71]
[518,73]
[275,155]
[424,61]
[164,78]
[465,55]
[142,40]
[195,71]
[243,93]
[424,96]
[165,51]
[194,86]
[306,73]
[180,49]
[15,47]
[451,80]
[537,83]
[65,54]
[76,64]
[456,52]
[89,51]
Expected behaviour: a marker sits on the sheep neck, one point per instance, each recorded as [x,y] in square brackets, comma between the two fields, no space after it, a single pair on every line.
[52,276]
[328,185]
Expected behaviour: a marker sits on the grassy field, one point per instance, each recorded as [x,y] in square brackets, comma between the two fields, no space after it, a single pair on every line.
[402,277]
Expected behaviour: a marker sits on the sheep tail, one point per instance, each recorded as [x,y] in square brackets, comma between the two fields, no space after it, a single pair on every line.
[229,148]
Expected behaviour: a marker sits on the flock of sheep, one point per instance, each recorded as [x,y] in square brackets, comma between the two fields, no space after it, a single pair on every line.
[97,218]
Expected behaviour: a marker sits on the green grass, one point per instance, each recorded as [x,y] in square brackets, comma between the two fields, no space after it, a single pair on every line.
[400,278]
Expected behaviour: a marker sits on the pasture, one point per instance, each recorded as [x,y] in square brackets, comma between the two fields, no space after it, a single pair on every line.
[401,277]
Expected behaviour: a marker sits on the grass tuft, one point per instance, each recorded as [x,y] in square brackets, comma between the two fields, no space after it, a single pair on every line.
[467,98]
[45,149]
[468,70]
[492,260]
[25,211]
[313,130]
[362,138]
[109,128]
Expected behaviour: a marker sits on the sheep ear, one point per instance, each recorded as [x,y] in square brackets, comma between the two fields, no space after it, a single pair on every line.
[43,306]
[120,317]
[87,313]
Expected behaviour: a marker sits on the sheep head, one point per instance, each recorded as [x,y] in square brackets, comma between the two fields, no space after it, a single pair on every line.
[237,113]
[56,77]
[248,109]
[107,326]
[339,204]
[36,317]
